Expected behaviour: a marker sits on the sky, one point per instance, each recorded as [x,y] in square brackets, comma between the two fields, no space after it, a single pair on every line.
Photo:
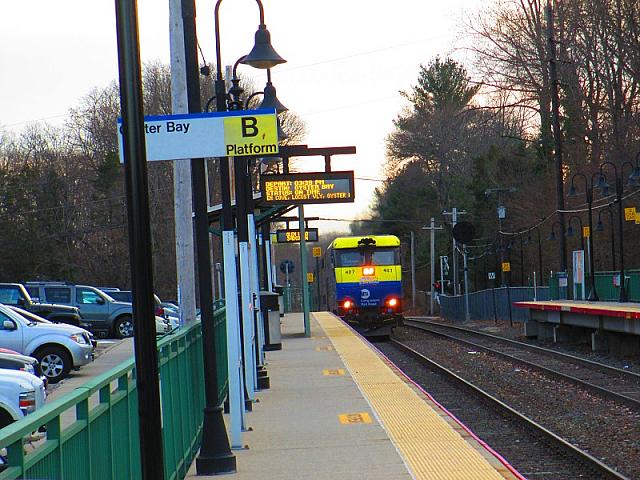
[347,61]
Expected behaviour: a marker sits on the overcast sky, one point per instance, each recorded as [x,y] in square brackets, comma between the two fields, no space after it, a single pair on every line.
[347,61]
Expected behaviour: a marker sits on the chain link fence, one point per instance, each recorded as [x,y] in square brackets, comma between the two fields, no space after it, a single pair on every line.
[493,304]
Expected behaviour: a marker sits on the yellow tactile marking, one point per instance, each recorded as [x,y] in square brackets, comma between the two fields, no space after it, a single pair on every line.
[351,418]
[333,372]
[431,448]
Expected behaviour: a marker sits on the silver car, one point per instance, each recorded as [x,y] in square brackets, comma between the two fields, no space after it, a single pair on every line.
[57,346]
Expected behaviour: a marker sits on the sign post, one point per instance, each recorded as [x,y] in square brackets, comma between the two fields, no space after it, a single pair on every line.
[303,268]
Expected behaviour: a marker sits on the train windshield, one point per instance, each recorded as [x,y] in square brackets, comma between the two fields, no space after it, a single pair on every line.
[353,257]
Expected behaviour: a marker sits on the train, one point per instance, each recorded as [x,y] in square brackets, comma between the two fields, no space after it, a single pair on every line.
[364,282]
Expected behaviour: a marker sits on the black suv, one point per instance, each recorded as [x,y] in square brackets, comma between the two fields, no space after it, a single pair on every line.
[16,295]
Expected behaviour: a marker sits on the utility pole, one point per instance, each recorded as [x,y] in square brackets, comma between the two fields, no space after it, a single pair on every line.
[454,220]
[501,216]
[182,193]
[432,234]
[557,134]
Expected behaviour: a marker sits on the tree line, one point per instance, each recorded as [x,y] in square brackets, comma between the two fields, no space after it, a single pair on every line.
[467,132]
[62,196]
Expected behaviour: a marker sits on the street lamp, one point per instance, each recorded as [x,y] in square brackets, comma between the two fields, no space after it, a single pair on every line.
[215,455]
[552,235]
[571,231]
[600,228]
[593,295]
[602,184]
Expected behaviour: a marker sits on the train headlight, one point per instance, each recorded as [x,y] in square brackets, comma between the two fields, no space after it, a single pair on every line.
[393,302]
[368,271]
[347,304]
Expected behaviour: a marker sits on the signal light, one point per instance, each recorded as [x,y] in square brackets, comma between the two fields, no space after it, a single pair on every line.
[368,270]
[393,302]
[347,304]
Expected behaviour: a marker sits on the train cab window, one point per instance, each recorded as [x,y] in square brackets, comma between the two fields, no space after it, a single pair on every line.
[387,256]
[348,258]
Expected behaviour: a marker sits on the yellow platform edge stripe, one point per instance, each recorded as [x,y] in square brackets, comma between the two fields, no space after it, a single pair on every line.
[428,442]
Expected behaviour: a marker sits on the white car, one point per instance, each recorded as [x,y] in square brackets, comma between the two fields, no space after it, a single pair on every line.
[57,346]
[21,393]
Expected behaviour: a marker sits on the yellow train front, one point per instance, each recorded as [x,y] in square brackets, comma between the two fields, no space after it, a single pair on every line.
[368,282]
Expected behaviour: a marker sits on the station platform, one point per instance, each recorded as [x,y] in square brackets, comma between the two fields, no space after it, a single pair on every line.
[337,409]
[609,326]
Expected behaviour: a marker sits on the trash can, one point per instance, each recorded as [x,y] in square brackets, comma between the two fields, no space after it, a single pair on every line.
[279,289]
[269,306]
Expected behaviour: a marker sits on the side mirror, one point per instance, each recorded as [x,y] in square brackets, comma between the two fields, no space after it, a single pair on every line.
[21,302]
[8,325]
[100,301]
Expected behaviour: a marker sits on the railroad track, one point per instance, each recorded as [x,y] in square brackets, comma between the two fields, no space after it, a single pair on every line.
[609,382]
[553,460]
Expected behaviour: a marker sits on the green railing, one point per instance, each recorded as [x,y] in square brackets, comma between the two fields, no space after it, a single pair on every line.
[92,433]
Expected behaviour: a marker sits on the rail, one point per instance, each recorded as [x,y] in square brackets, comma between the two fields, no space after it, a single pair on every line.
[92,433]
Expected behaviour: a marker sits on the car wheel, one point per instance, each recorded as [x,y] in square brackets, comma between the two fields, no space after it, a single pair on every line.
[123,327]
[55,363]
[5,418]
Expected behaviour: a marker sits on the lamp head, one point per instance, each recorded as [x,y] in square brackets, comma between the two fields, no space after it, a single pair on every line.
[262,55]
[602,183]
[552,235]
[599,226]
[572,191]
[270,100]
[570,231]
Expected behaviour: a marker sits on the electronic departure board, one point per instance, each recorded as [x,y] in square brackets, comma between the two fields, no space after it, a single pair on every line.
[299,188]
[290,235]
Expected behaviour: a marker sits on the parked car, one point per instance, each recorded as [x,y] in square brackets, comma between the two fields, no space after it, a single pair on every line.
[17,295]
[167,313]
[21,393]
[100,312]
[58,347]
[35,318]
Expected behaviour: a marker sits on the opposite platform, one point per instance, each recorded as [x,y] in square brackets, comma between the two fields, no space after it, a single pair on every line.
[337,410]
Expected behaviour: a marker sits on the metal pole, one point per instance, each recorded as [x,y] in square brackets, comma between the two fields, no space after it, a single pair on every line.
[441,276]
[540,258]
[623,292]
[454,220]
[432,239]
[593,294]
[138,219]
[467,314]
[557,134]
[413,273]
[303,271]
[215,452]
[248,334]
[318,283]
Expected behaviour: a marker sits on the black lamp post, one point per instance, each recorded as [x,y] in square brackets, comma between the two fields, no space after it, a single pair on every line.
[215,455]
[537,229]
[593,295]
[571,231]
[602,183]
[600,228]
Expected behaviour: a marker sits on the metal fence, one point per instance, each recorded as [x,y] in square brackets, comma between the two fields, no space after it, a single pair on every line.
[492,304]
[92,433]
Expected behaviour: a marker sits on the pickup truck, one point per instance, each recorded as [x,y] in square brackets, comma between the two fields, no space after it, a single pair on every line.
[101,313]
[16,294]
[21,393]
